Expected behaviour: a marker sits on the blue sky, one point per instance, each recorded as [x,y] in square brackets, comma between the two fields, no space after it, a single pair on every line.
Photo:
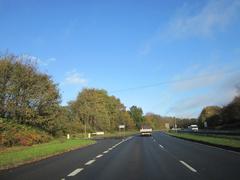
[186,52]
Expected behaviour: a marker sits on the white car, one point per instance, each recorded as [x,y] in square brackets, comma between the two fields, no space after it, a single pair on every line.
[193,127]
[146,131]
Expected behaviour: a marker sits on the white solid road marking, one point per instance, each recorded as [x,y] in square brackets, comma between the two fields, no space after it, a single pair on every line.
[90,162]
[161,146]
[98,156]
[129,138]
[110,149]
[105,152]
[188,166]
[75,172]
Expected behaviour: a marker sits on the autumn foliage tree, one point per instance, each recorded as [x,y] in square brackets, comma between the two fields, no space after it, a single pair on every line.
[99,111]
[27,96]
[137,115]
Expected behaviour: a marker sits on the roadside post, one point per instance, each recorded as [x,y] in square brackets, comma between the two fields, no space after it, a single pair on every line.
[167,126]
[205,124]
[68,136]
[89,135]
[122,128]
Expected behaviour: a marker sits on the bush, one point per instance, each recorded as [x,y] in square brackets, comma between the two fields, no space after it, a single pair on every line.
[12,134]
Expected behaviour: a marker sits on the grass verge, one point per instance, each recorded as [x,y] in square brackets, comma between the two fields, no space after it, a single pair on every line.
[15,156]
[219,141]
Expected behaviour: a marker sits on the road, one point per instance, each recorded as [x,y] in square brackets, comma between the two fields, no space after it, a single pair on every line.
[136,158]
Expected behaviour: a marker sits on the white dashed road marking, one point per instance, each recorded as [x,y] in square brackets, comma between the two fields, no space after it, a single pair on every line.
[188,166]
[90,162]
[75,172]
[98,156]
[161,146]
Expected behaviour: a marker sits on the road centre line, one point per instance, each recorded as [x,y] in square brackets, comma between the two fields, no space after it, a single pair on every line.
[90,162]
[75,172]
[161,146]
[188,166]
[98,156]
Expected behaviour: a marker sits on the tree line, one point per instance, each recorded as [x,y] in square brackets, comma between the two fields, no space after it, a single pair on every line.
[226,117]
[30,97]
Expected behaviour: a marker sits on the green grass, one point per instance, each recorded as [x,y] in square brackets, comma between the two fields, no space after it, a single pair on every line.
[10,157]
[223,140]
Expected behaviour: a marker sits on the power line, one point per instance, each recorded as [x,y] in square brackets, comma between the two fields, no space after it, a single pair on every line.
[173,81]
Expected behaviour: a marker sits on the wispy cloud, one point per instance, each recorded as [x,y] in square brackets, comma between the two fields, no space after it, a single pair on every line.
[74,78]
[214,87]
[37,60]
[46,62]
[189,21]
[213,16]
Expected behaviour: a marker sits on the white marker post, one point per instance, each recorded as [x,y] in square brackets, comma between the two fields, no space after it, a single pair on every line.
[68,136]
[122,127]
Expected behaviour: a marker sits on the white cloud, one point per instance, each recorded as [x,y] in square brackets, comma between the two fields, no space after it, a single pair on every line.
[200,77]
[74,78]
[189,21]
[215,87]
[51,59]
[192,106]
[37,60]
[214,15]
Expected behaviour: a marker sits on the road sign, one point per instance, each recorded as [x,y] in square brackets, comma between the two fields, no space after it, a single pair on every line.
[167,126]
[121,126]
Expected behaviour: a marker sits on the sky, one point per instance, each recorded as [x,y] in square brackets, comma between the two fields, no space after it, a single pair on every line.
[169,57]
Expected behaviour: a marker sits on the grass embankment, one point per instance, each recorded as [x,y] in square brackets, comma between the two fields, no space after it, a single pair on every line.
[14,156]
[229,142]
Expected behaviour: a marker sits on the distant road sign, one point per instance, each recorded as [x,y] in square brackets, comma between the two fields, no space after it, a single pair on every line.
[167,125]
[121,126]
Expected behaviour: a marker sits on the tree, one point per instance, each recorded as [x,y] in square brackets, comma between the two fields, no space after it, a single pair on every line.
[211,115]
[27,96]
[231,112]
[6,69]
[98,111]
[136,114]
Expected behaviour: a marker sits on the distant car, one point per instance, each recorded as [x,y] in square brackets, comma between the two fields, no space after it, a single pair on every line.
[193,127]
[146,130]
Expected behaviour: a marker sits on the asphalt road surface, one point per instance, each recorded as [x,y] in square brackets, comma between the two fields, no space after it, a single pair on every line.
[135,158]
